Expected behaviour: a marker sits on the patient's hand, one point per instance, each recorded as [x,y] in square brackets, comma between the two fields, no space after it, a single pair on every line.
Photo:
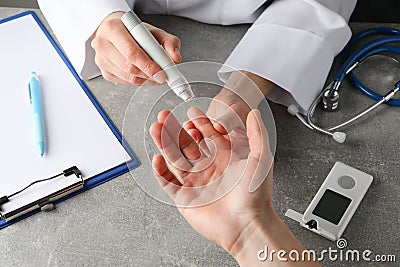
[242,92]
[227,178]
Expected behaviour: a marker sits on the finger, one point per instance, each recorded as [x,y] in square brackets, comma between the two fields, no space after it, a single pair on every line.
[186,143]
[161,169]
[142,81]
[105,49]
[170,42]
[165,178]
[112,78]
[107,68]
[183,196]
[128,47]
[193,131]
[188,125]
[227,122]
[196,135]
[170,150]
[217,121]
[219,126]
[203,123]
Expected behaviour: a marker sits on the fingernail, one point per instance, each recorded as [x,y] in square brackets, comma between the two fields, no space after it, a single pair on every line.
[178,52]
[159,78]
[154,158]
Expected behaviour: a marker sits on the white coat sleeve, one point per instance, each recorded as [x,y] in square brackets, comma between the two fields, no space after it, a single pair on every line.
[74,22]
[293,44]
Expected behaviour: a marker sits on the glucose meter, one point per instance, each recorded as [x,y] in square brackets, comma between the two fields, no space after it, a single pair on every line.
[336,201]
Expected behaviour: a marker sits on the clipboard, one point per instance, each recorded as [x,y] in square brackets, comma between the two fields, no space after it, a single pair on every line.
[108,132]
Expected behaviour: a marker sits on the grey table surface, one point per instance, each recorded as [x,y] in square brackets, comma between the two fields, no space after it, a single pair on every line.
[117,224]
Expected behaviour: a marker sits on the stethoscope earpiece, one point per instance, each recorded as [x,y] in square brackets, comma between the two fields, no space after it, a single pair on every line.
[293,110]
[339,137]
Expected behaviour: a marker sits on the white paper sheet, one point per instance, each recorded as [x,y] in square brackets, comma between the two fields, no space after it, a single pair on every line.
[76,133]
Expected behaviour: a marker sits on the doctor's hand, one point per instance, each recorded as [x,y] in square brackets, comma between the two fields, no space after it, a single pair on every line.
[227,200]
[122,61]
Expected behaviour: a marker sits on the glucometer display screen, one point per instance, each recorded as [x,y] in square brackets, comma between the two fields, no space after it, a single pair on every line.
[332,206]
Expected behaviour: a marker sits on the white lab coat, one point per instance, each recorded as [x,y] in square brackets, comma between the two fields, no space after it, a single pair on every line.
[292,42]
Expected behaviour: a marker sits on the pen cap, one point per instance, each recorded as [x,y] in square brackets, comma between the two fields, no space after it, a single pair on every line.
[130,20]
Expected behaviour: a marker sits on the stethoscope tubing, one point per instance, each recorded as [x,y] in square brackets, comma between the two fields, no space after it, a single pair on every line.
[368,32]
[372,48]
[364,50]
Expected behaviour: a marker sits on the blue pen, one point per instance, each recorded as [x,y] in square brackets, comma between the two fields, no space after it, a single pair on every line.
[36,102]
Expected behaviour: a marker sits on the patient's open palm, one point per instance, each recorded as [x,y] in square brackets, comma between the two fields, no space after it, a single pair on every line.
[213,181]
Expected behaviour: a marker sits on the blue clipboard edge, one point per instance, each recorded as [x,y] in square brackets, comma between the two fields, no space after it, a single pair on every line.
[102,177]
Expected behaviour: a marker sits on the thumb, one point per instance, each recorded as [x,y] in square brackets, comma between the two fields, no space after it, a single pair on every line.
[260,156]
[257,135]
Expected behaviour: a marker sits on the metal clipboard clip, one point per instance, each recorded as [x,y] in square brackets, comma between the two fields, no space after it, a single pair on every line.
[45,203]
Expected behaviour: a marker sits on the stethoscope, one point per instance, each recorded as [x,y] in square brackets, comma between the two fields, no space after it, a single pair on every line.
[330,95]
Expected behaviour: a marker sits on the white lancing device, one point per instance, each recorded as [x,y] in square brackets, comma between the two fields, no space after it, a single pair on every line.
[175,79]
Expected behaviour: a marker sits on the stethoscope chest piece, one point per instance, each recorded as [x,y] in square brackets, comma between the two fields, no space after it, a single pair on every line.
[330,100]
